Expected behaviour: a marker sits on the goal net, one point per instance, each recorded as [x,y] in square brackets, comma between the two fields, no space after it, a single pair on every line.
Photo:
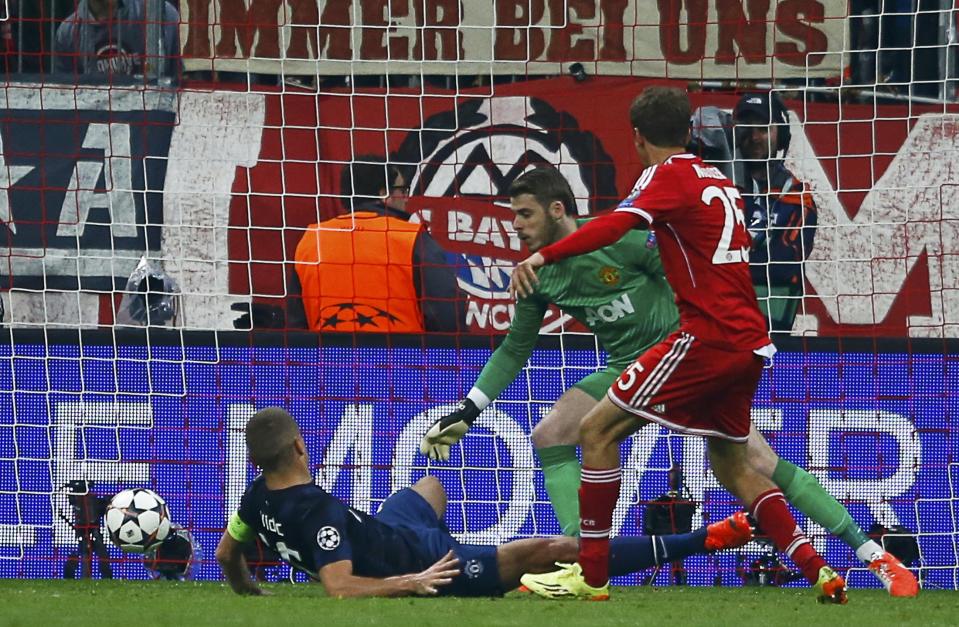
[161,167]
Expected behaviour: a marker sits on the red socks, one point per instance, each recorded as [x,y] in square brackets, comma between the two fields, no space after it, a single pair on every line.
[598,493]
[770,511]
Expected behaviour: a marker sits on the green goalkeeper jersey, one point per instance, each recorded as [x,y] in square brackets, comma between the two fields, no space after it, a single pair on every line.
[618,292]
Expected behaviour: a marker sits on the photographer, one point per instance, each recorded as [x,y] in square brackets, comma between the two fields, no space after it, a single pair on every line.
[784,217]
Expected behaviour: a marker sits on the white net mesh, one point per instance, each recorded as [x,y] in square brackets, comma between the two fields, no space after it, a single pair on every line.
[192,151]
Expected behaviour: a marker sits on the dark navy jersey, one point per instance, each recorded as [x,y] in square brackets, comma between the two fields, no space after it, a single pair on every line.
[309,528]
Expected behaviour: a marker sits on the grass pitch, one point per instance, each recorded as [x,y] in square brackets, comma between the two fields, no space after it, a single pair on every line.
[101,603]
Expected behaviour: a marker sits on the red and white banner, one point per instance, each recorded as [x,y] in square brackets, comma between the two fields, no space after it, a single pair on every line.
[693,39]
[245,173]
[885,258]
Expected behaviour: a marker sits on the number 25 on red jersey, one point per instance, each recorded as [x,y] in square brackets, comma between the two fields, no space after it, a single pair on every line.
[725,251]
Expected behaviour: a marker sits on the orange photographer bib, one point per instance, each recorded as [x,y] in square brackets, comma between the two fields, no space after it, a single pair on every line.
[356,272]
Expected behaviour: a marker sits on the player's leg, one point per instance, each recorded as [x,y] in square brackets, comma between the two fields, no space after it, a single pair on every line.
[627,554]
[433,492]
[421,505]
[601,432]
[555,438]
[531,556]
[621,412]
[807,495]
[728,410]
[730,464]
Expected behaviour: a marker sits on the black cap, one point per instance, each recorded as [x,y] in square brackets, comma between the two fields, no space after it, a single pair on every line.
[761,108]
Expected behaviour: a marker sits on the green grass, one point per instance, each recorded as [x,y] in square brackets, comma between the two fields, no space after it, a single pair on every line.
[149,604]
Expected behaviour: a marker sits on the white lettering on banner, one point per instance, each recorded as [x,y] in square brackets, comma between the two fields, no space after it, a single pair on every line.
[9,176]
[489,276]
[70,419]
[491,231]
[211,140]
[697,476]
[117,169]
[876,493]
[859,265]
[610,312]
[521,464]
[498,316]
[354,434]
[461,226]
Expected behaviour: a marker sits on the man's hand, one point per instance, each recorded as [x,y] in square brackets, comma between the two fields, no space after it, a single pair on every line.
[524,279]
[436,576]
[448,430]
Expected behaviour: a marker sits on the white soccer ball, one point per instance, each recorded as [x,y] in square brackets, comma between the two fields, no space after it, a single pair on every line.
[138,520]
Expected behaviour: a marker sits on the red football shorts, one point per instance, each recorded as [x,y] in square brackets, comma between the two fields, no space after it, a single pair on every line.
[690,387]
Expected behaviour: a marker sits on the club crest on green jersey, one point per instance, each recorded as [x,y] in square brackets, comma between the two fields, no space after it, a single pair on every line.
[608,275]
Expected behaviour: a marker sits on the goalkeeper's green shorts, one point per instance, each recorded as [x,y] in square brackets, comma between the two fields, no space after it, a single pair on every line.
[597,384]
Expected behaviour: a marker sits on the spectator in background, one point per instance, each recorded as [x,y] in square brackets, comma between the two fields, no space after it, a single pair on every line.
[110,37]
[882,43]
[372,270]
[780,209]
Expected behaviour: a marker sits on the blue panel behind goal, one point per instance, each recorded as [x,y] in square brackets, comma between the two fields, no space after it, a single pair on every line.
[879,430]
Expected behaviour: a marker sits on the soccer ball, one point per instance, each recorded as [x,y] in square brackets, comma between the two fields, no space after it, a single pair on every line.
[138,520]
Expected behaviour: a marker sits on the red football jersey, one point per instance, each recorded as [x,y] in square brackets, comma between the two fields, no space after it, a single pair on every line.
[697,215]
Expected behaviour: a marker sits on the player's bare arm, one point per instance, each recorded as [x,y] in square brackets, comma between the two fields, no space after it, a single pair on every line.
[229,554]
[597,233]
[524,280]
[339,581]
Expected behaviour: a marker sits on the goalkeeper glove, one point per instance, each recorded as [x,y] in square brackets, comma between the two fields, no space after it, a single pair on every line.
[448,430]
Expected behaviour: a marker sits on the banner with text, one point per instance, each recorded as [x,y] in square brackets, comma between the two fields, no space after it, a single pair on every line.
[695,39]
[82,171]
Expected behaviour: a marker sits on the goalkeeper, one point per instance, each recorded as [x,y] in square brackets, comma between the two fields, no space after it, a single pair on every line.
[621,295]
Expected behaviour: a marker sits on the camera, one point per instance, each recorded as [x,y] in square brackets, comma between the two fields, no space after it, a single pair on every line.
[86,511]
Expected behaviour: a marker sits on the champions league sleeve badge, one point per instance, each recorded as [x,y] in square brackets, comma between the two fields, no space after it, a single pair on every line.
[328,538]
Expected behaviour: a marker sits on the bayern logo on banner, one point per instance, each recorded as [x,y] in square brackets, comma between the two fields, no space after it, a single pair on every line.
[462,187]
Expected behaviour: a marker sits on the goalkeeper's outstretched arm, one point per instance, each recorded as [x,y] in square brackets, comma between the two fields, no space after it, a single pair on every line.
[501,369]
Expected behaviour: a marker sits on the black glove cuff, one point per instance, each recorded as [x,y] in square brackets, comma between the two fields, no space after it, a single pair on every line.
[468,411]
